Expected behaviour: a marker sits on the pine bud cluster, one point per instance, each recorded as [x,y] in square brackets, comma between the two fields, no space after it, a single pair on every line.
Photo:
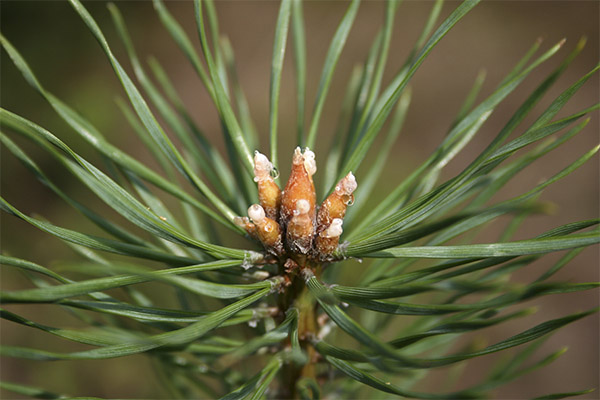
[288,222]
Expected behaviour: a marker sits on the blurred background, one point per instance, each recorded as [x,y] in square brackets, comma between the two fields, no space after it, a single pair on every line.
[493,37]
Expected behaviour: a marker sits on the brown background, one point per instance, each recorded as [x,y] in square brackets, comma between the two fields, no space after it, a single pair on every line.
[493,37]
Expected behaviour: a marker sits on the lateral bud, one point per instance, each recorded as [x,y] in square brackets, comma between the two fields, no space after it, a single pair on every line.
[300,185]
[336,203]
[300,228]
[269,194]
[267,229]
[328,239]
[248,226]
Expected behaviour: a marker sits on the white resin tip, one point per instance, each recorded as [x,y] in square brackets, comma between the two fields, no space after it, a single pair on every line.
[334,229]
[297,157]
[256,213]
[262,166]
[347,185]
[302,207]
[310,164]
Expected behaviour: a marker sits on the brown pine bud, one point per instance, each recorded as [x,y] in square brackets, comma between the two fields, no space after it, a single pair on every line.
[300,185]
[300,228]
[269,194]
[328,239]
[248,226]
[267,229]
[335,204]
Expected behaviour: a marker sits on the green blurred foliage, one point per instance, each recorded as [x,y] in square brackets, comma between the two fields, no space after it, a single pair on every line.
[69,62]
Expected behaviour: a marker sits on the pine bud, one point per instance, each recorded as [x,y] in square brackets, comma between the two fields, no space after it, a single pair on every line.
[300,185]
[335,204]
[327,240]
[248,226]
[267,229]
[269,194]
[300,228]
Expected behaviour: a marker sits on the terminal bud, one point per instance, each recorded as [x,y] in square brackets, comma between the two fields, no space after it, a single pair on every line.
[300,185]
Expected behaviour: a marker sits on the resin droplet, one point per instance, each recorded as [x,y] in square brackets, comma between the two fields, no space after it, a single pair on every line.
[336,203]
[267,229]
[300,228]
[274,173]
[327,240]
[334,230]
[269,194]
[256,213]
[300,185]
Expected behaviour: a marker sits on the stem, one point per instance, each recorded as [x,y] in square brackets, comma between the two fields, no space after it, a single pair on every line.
[307,328]
[297,295]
